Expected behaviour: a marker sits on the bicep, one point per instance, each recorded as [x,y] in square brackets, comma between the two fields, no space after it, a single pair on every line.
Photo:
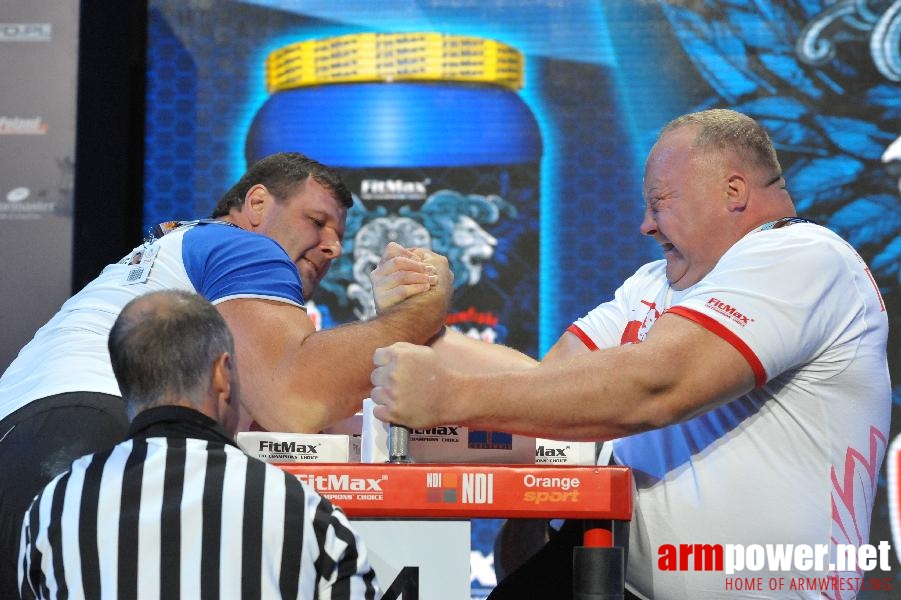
[695,369]
[267,334]
[265,327]
[568,346]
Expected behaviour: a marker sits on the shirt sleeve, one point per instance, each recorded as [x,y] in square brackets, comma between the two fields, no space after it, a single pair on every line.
[225,263]
[605,326]
[352,577]
[343,569]
[779,297]
[26,589]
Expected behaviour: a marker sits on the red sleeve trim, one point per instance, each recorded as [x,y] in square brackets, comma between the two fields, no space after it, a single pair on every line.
[574,329]
[717,328]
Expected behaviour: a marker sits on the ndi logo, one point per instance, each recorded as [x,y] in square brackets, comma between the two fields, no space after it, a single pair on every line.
[468,488]
[478,488]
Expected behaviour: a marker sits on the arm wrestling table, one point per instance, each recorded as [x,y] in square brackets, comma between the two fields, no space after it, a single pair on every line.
[397,491]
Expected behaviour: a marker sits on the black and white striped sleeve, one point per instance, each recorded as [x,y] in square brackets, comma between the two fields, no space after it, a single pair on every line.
[354,577]
[27,554]
[337,566]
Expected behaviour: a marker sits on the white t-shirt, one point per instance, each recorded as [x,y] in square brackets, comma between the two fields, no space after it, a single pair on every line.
[796,460]
[212,258]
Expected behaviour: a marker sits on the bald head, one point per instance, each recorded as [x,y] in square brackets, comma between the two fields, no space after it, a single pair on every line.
[163,347]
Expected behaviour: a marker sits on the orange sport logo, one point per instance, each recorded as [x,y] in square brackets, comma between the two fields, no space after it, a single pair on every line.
[544,490]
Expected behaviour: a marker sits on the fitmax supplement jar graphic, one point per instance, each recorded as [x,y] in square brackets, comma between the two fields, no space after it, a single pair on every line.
[432,137]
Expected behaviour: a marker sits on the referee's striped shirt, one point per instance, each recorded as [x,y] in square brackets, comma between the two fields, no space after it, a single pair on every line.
[182,517]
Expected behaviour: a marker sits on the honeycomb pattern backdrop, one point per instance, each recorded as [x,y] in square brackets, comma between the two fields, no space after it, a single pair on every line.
[170,127]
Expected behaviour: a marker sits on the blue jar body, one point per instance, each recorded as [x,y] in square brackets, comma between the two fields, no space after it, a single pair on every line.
[453,166]
[398,124]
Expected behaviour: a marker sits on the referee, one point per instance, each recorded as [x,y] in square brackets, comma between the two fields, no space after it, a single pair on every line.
[177,510]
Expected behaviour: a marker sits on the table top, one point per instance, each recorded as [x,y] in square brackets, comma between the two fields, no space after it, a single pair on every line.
[447,491]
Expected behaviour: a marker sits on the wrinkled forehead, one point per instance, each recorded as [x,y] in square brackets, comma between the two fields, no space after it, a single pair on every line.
[673,143]
[314,195]
[672,155]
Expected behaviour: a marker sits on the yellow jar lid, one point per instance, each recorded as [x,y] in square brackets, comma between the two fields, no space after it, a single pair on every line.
[394,57]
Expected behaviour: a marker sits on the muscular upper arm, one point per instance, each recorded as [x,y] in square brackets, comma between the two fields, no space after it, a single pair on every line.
[690,369]
[678,372]
[566,347]
[266,333]
[294,378]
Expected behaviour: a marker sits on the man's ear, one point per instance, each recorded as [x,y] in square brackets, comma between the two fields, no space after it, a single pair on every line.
[221,376]
[224,389]
[255,201]
[738,192]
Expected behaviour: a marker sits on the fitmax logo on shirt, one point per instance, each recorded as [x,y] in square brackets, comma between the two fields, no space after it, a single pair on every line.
[728,310]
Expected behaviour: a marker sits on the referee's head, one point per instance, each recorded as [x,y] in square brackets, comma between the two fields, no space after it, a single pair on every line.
[174,348]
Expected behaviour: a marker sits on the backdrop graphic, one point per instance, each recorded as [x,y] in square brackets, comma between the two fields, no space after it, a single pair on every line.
[432,163]
[600,79]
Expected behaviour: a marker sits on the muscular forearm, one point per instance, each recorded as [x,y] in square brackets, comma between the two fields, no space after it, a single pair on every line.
[293,378]
[327,374]
[583,398]
[457,351]
[678,372]
[610,393]
[341,359]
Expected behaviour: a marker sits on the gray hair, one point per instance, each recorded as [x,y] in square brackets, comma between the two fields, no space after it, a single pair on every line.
[163,345]
[723,129]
